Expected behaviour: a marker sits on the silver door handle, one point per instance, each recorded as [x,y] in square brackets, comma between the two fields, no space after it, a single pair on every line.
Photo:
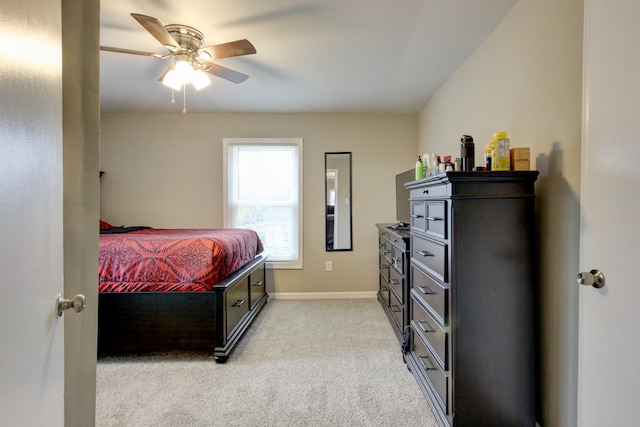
[593,278]
[78,303]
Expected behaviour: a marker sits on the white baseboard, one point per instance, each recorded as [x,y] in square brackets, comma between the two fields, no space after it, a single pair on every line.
[323,295]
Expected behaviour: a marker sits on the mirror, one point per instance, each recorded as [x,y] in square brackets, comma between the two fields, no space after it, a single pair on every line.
[337,168]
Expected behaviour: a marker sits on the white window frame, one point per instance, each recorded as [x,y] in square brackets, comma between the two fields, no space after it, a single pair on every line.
[228,143]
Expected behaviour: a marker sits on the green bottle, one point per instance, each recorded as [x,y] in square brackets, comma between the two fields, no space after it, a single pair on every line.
[421,170]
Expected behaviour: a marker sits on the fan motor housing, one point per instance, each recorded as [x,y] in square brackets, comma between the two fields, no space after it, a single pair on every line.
[187,37]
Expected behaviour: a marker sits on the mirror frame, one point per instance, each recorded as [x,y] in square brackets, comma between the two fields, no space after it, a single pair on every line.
[329,239]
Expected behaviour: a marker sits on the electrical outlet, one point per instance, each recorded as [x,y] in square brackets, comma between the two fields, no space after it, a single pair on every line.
[328,266]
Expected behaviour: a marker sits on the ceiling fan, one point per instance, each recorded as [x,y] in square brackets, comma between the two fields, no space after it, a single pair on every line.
[190,61]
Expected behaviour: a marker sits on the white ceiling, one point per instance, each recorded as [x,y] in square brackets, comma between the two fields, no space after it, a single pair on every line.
[312,55]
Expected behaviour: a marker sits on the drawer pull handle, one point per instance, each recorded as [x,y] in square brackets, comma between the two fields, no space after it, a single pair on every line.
[384,288]
[384,267]
[424,365]
[257,283]
[396,309]
[394,282]
[421,323]
[425,191]
[238,303]
[425,290]
[434,218]
[425,253]
[417,216]
[384,251]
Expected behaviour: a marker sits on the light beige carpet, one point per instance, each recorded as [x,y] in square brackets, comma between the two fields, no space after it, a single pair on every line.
[302,363]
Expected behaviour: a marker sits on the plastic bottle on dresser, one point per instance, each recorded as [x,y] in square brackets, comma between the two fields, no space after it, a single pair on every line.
[487,157]
[420,169]
[500,160]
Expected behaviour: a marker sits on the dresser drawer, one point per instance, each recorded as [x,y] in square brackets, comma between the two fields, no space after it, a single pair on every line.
[431,293]
[383,292]
[418,214]
[437,379]
[385,249]
[397,310]
[236,304]
[396,241]
[432,191]
[395,284]
[383,237]
[430,217]
[431,254]
[384,267]
[430,330]
[397,260]
[436,218]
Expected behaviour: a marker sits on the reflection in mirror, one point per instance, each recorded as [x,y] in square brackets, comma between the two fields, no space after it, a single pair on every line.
[337,167]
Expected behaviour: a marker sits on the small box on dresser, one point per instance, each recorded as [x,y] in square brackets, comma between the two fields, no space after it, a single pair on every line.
[472,296]
[393,277]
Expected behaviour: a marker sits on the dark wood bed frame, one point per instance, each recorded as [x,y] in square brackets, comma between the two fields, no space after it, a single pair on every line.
[143,322]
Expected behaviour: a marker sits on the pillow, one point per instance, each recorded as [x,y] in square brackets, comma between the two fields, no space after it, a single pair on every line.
[104,225]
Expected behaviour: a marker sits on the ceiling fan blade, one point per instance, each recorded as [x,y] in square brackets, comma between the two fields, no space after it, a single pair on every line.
[225,73]
[130,51]
[157,30]
[164,73]
[227,50]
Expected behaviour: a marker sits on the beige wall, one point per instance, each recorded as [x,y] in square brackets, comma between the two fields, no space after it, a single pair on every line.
[165,170]
[526,79]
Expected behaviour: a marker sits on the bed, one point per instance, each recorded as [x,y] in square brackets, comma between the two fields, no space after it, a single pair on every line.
[178,289]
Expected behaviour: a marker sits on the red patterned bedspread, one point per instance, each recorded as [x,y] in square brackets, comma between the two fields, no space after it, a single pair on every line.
[162,260]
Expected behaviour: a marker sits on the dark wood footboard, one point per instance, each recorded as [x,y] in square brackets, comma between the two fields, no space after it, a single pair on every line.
[141,322]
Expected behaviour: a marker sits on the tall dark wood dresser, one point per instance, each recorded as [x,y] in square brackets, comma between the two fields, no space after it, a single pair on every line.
[472,296]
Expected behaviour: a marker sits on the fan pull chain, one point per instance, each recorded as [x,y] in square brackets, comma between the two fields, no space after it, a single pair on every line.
[173,100]
[184,99]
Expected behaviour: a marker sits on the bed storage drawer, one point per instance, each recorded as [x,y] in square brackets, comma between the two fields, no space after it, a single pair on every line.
[237,304]
[257,285]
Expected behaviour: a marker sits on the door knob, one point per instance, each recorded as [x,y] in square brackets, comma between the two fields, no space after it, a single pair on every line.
[77,303]
[593,278]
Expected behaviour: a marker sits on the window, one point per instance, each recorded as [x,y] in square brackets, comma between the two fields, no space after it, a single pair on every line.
[263,192]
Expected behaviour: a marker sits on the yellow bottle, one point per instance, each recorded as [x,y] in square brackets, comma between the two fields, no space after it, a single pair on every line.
[500,160]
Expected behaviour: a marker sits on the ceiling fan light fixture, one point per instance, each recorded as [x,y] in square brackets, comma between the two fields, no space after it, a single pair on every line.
[200,79]
[172,80]
[185,71]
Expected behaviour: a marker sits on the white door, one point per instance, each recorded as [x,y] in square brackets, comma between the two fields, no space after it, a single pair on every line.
[31,239]
[609,353]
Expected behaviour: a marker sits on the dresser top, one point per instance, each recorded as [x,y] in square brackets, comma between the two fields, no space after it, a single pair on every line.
[480,176]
